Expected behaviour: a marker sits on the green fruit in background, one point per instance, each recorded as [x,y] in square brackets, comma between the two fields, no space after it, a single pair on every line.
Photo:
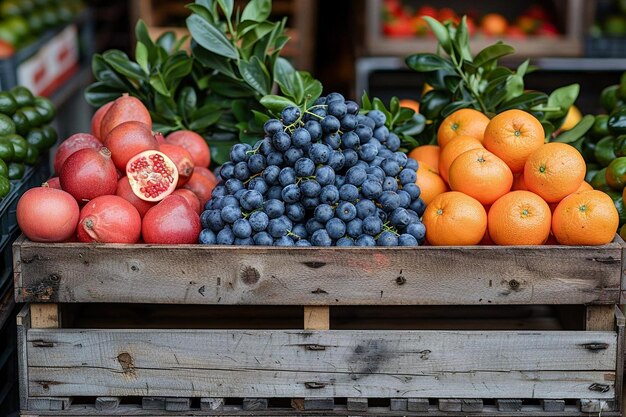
[22,95]
[32,155]
[50,134]
[4,169]
[588,149]
[615,25]
[621,92]
[18,25]
[619,205]
[619,145]
[616,174]
[20,147]
[65,13]
[45,108]
[50,17]
[7,35]
[5,187]
[617,122]
[35,22]
[27,6]
[600,126]
[36,138]
[32,115]
[8,105]
[16,170]
[7,127]
[598,182]
[7,153]
[9,8]
[21,122]
[608,98]
[604,152]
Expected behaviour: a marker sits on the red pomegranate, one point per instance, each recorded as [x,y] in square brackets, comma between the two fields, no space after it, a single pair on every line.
[152,175]
[183,160]
[201,187]
[206,172]
[125,191]
[53,183]
[89,173]
[96,120]
[194,143]
[124,109]
[47,215]
[172,221]
[72,144]
[159,137]
[129,139]
[109,219]
[192,199]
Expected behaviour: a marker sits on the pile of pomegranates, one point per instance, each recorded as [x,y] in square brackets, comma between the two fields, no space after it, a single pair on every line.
[122,183]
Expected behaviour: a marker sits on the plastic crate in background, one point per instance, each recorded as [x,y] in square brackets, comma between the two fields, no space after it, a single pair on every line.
[605,47]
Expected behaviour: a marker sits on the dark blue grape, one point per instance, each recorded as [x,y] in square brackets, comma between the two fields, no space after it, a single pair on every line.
[300,231]
[301,138]
[303,243]
[239,193]
[376,172]
[287,176]
[330,124]
[372,225]
[242,172]
[352,107]
[207,237]
[320,101]
[411,164]
[292,155]
[256,163]
[319,153]
[312,225]
[346,211]
[354,228]
[418,206]
[382,214]
[310,203]
[274,158]
[378,117]
[364,133]
[274,208]
[320,112]
[391,167]
[390,184]
[387,238]
[356,176]
[304,167]
[290,115]
[332,140]
[371,188]
[263,239]
[251,200]
[364,120]
[238,153]
[401,158]
[244,242]
[230,214]
[405,198]
[336,160]
[407,176]
[278,228]
[219,191]
[233,185]
[225,237]
[417,230]
[345,241]
[368,152]
[270,175]
[274,193]
[365,240]
[321,238]
[272,126]
[291,193]
[413,190]
[365,208]
[329,194]
[259,221]
[340,180]
[400,218]
[284,241]
[242,229]
[337,109]
[325,175]
[393,142]
[315,130]
[310,188]
[350,140]
[348,192]
[335,228]
[385,153]
[258,184]
[351,158]
[227,171]
[214,220]
[348,122]
[407,240]
[281,141]
[323,213]
[389,201]
[381,133]
[266,146]
[334,97]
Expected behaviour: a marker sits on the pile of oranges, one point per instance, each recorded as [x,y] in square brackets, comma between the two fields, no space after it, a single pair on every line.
[497,182]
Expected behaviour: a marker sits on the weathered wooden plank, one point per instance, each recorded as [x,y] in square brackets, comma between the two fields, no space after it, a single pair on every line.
[450,404]
[600,318]
[504,404]
[49,403]
[595,406]
[153,403]
[316,317]
[23,325]
[208,403]
[44,316]
[252,404]
[356,404]
[398,404]
[177,404]
[472,405]
[315,403]
[73,272]
[553,405]
[345,351]
[107,403]
[418,404]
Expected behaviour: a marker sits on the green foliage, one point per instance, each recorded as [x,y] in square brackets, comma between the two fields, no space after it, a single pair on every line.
[460,80]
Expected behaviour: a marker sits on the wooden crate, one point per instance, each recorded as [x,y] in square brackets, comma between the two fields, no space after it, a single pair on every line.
[301,331]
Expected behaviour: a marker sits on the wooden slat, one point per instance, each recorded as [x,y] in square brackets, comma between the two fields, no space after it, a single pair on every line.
[316,318]
[107,403]
[44,316]
[23,325]
[600,318]
[553,405]
[418,404]
[210,403]
[71,272]
[319,364]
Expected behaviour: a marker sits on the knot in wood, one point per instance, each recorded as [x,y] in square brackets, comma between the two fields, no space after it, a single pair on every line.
[250,275]
[126,362]
[400,280]
[54,278]
[514,284]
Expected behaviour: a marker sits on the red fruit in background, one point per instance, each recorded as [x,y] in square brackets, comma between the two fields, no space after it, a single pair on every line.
[192,199]
[537,12]
[159,137]
[72,144]
[89,173]
[399,28]
[129,139]
[53,183]
[427,11]
[206,172]
[47,215]
[201,187]
[125,191]
[6,49]
[172,221]
[96,120]
[152,175]
[514,32]
[194,143]
[547,29]
[394,7]
[124,109]
[447,14]
[183,160]
[494,24]
[420,27]
[109,219]
[471,26]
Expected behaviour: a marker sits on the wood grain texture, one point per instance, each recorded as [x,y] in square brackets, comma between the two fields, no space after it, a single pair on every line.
[107,403]
[72,272]
[23,325]
[271,364]
[44,316]
[600,318]
[316,317]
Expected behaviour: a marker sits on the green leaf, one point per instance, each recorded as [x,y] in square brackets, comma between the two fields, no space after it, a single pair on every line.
[462,40]
[394,106]
[187,101]
[120,62]
[441,33]
[202,11]
[257,10]
[284,76]
[260,118]
[548,128]
[213,61]
[514,87]
[563,98]
[492,53]
[366,104]
[98,94]
[379,105]
[141,56]
[141,33]
[454,106]
[312,87]
[158,83]
[524,101]
[523,68]
[276,104]
[210,37]
[165,107]
[426,62]
[255,74]
[230,88]
[176,67]
[204,117]
[241,110]
[167,40]
[227,7]
[577,131]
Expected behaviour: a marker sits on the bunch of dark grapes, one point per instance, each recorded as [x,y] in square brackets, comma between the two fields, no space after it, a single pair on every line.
[328,177]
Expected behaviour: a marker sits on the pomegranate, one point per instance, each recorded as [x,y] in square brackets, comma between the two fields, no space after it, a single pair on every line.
[89,173]
[109,219]
[47,215]
[159,137]
[72,144]
[183,160]
[129,139]
[152,175]
[172,221]
[124,109]
[192,199]
[96,120]
[53,183]
[206,172]
[194,143]
[125,191]
[201,187]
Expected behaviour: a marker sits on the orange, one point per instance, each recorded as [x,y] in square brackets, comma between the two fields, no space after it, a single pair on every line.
[554,171]
[427,154]
[585,186]
[410,104]
[513,135]
[519,218]
[456,147]
[480,174]
[587,218]
[426,89]
[430,183]
[571,119]
[494,24]
[519,183]
[466,122]
[454,218]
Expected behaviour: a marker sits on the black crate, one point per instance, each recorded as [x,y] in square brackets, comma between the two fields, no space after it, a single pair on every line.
[609,47]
